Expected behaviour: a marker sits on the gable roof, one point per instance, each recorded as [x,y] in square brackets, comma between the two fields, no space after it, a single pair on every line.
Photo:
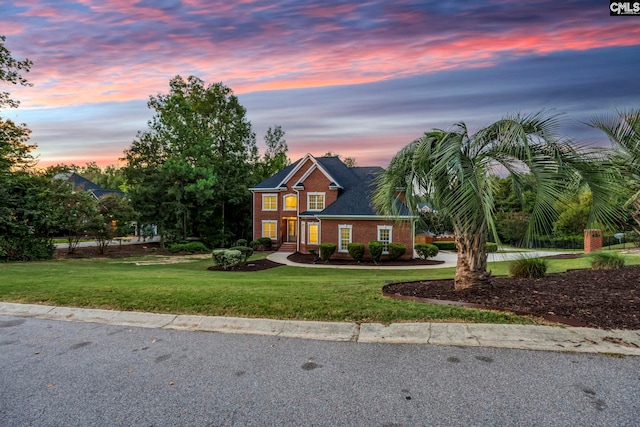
[79,182]
[356,187]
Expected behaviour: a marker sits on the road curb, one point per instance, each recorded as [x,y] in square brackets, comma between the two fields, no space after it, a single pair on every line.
[522,337]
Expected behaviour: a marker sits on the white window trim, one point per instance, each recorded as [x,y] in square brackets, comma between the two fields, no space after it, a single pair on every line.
[264,195]
[324,200]
[340,228]
[284,202]
[309,224]
[386,227]
[270,221]
[303,227]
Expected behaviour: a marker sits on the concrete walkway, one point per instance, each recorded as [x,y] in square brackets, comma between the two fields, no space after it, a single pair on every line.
[449,260]
[549,338]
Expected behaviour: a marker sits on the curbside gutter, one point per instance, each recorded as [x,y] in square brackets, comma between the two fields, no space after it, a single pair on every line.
[523,337]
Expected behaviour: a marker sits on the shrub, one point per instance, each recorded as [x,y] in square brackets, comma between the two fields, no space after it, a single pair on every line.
[326,250]
[426,250]
[265,242]
[356,251]
[528,268]
[254,244]
[191,247]
[491,247]
[26,248]
[375,250]
[227,258]
[242,242]
[246,252]
[606,261]
[446,246]
[396,250]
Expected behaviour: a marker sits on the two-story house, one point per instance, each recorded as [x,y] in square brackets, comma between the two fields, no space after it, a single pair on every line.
[320,200]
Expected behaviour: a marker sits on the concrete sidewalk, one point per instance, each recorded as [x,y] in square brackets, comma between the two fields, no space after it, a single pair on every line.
[549,338]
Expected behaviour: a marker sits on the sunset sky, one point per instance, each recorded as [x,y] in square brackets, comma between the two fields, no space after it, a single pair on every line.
[361,79]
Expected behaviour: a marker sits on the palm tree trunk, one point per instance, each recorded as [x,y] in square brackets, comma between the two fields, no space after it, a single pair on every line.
[471,269]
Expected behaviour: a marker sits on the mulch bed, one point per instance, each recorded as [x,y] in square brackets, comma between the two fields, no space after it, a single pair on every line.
[313,259]
[113,251]
[608,299]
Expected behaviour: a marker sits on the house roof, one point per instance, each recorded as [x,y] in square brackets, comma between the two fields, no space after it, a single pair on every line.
[356,187]
[83,183]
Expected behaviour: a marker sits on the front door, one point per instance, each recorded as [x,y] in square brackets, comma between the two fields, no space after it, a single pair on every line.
[291,229]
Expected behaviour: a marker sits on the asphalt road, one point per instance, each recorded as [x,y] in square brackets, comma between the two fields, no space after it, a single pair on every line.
[56,373]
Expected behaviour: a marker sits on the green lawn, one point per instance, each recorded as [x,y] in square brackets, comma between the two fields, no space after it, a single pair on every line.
[279,293]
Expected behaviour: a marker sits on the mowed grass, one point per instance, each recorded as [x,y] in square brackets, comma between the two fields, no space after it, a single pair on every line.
[278,293]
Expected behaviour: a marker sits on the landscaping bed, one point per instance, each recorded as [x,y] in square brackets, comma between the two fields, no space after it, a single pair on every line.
[608,299]
[313,259]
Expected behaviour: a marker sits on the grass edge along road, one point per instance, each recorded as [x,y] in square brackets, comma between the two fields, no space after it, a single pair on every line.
[278,293]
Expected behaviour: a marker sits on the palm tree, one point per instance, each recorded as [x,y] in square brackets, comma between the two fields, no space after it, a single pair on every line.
[452,170]
[623,129]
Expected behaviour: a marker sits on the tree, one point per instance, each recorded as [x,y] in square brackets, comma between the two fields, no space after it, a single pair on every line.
[275,156]
[14,150]
[191,168]
[115,218]
[350,162]
[452,171]
[623,130]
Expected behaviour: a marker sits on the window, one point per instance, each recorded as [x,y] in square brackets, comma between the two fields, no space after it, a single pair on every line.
[290,202]
[315,201]
[384,236]
[269,202]
[344,237]
[270,229]
[313,233]
[303,226]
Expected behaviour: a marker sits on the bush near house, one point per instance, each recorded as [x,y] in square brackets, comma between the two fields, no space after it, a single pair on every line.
[246,252]
[242,242]
[446,246]
[396,250]
[265,242]
[228,259]
[326,250]
[356,251]
[191,247]
[426,250]
[375,250]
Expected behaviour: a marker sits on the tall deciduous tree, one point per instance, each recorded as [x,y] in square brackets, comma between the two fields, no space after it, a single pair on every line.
[14,150]
[275,156]
[189,172]
[452,170]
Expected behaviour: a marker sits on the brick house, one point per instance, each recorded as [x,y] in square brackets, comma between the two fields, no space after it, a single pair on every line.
[321,200]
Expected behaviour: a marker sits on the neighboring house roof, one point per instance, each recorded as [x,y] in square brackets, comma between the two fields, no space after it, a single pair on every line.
[356,187]
[79,182]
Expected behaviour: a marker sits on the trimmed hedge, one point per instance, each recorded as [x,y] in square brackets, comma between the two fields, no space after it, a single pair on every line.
[396,250]
[191,247]
[356,251]
[426,250]
[228,259]
[326,250]
[375,250]
[446,246]
[246,251]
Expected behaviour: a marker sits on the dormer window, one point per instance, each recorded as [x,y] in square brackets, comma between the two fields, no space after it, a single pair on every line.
[315,201]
